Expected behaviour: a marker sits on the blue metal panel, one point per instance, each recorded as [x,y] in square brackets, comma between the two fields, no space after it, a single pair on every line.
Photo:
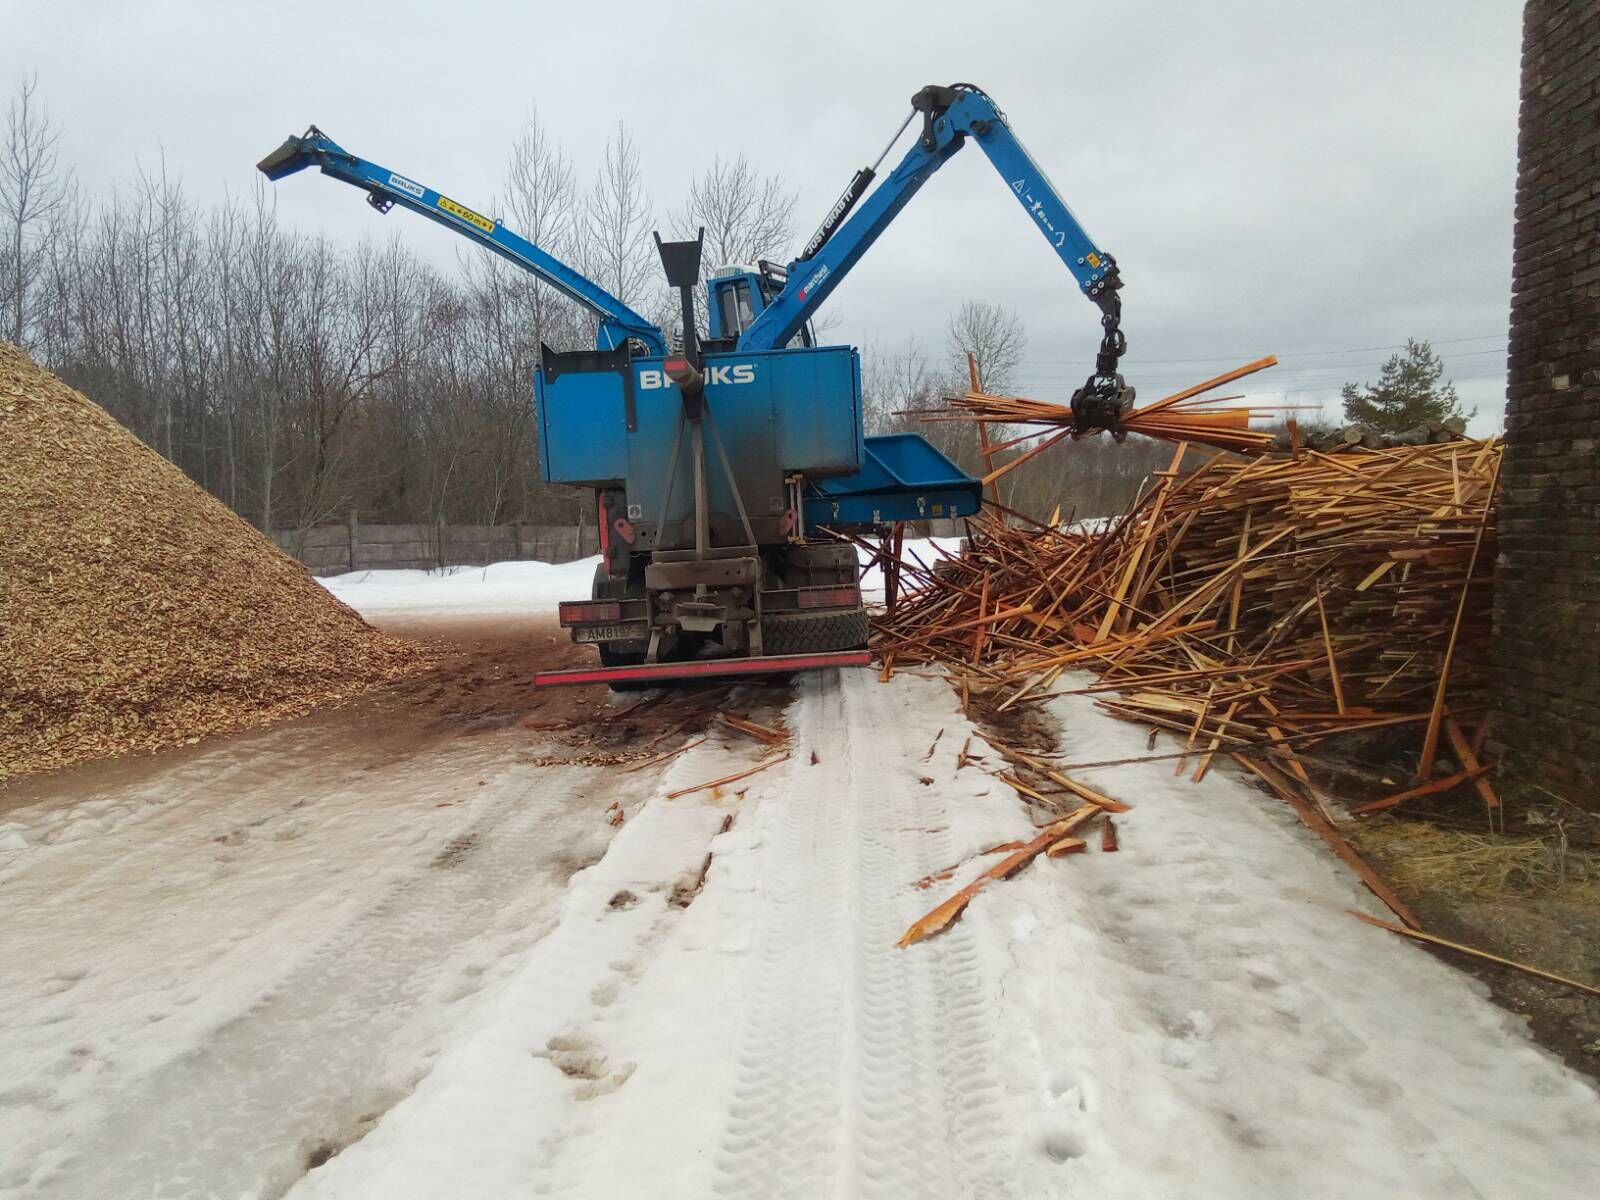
[904,478]
[817,402]
[583,432]
[650,446]
[885,508]
[777,412]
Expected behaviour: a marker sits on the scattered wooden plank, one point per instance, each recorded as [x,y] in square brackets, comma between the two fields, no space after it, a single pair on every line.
[1430,741]
[1131,565]
[1066,845]
[1082,790]
[1108,837]
[983,607]
[1459,947]
[941,917]
[681,896]
[1431,788]
[1023,789]
[712,783]
[1333,664]
[1468,754]
[662,757]
[762,733]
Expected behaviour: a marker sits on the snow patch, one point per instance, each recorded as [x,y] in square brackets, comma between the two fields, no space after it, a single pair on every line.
[1204,1018]
[916,553]
[500,589]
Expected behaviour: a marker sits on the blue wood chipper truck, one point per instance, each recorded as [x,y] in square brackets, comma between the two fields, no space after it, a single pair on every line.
[713,459]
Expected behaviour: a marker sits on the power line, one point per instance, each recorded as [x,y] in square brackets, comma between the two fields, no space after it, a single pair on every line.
[1347,350]
[1273,378]
[1282,387]
[1281,368]
[933,357]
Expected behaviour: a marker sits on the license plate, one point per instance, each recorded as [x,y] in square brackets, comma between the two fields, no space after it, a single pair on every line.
[627,631]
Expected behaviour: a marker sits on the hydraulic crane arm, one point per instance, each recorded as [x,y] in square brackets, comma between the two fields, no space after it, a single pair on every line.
[951,115]
[386,188]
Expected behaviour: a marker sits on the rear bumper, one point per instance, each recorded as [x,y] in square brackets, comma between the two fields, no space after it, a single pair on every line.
[710,668]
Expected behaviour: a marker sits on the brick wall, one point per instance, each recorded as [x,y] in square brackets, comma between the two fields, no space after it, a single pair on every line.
[1547,578]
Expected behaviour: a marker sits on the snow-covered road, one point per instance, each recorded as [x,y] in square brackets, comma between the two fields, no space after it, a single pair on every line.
[289,946]
[212,973]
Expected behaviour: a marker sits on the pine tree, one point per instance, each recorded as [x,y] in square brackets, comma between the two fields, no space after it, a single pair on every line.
[1408,393]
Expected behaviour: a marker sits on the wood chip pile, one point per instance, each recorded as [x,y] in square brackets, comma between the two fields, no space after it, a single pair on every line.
[136,611]
[1249,604]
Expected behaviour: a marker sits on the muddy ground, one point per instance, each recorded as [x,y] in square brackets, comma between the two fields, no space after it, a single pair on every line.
[480,680]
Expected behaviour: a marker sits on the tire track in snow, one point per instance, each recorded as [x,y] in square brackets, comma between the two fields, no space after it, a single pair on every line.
[520,1102]
[319,1057]
[861,1067]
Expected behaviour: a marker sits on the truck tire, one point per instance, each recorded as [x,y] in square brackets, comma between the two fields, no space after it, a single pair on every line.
[813,633]
[618,658]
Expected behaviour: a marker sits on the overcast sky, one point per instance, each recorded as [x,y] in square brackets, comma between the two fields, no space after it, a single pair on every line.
[1315,180]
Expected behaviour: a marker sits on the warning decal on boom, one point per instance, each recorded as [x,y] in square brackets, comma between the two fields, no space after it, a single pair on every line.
[466,214]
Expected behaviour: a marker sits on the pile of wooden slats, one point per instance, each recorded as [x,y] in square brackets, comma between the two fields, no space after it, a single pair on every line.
[1246,604]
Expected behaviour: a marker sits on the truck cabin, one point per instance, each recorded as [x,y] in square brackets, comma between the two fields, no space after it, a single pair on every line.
[738,293]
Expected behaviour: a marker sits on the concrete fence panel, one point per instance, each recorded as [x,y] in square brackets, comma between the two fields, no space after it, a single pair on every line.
[360,546]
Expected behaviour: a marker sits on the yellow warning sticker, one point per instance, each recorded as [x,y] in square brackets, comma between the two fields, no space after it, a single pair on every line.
[466,214]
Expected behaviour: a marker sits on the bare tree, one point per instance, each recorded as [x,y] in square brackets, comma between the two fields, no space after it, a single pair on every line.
[899,388]
[61,316]
[541,199]
[994,334]
[33,189]
[895,386]
[746,218]
[295,377]
[540,188]
[617,246]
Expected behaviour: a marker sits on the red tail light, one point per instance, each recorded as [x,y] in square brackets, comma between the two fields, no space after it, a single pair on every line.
[588,612]
[845,597]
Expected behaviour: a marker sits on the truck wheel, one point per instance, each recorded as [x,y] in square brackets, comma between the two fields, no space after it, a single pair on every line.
[814,633]
[621,658]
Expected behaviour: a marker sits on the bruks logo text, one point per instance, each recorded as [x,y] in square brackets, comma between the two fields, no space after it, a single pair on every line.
[731,373]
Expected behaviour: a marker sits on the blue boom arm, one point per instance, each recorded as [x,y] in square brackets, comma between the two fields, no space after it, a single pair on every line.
[386,188]
[951,115]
